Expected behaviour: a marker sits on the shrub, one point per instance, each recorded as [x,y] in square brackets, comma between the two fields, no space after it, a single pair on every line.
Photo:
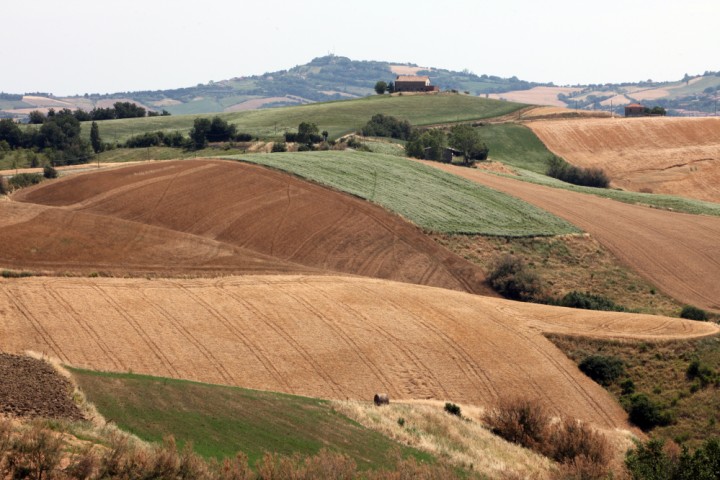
[387,126]
[453,409]
[658,460]
[604,370]
[49,171]
[22,180]
[693,313]
[647,414]
[511,278]
[581,451]
[519,421]
[4,186]
[589,177]
[589,301]
[279,147]
[701,372]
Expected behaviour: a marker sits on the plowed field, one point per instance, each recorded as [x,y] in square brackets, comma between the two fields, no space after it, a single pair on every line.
[678,156]
[677,252]
[218,216]
[334,337]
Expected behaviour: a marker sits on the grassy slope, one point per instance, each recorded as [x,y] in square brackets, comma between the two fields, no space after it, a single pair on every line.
[220,421]
[337,118]
[658,371]
[565,264]
[432,199]
[517,146]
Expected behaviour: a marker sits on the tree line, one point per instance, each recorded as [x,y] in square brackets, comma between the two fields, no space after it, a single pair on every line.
[117,111]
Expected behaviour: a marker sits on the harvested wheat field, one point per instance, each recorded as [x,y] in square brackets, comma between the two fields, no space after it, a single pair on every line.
[231,210]
[677,252]
[330,337]
[677,156]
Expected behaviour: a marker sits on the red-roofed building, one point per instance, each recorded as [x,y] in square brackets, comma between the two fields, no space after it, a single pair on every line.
[635,110]
[413,83]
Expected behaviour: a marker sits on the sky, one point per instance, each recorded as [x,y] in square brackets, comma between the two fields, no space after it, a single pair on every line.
[90,46]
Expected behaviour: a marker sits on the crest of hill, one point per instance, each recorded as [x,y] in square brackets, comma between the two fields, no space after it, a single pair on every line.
[322,79]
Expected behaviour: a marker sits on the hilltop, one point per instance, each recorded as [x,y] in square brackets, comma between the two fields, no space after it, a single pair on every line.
[334,77]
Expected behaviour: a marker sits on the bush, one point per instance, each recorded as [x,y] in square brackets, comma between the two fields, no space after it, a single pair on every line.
[49,171]
[581,451]
[279,147]
[4,186]
[511,278]
[588,177]
[647,414]
[693,313]
[22,180]
[701,372]
[588,301]
[453,409]
[656,460]
[387,126]
[603,370]
[519,421]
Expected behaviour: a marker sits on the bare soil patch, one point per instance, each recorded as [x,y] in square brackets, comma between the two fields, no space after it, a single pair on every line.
[231,207]
[677,156]
[330,337]
[32,388]
[678,252]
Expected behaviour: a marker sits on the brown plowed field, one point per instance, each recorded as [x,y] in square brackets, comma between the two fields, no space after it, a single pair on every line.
[678,156]
[331,337]
[231,209]
[677,252]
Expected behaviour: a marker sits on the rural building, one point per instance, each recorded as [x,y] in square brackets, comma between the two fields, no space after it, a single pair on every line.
[635,110]
[413,83]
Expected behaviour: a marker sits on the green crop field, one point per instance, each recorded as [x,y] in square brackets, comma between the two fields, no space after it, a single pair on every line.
[221,421]
[432,199]
[338,118]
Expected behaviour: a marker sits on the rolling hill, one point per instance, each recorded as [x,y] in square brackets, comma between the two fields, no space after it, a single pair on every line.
[678,252]
[328,337]
[676,156]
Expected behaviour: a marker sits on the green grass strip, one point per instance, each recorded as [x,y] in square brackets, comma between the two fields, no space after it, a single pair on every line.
[430,198]
[221,421]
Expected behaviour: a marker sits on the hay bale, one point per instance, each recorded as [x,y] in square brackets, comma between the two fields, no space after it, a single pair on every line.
[381,399]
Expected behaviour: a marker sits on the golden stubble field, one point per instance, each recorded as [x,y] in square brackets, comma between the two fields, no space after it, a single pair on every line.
[677,156]
[323,336]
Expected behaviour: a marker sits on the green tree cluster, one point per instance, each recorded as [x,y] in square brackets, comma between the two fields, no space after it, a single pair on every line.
[387,126]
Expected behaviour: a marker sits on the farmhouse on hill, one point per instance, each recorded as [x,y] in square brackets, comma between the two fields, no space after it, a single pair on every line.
[635,110]
[414,83]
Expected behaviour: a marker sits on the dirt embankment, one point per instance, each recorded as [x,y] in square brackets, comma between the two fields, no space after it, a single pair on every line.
[330,337]
[32,388]
[677,156]
[677,252]
[243,219]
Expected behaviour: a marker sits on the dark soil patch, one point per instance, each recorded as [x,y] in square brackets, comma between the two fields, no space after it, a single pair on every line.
[32,388]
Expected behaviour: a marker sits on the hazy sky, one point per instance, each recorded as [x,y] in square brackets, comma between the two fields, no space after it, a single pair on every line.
[78,46]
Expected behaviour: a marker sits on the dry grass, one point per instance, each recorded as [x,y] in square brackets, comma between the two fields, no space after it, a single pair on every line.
[464,442]
[567,263]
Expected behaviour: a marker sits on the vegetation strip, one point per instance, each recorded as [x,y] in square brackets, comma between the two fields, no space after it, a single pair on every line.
[432,199]
[221,421]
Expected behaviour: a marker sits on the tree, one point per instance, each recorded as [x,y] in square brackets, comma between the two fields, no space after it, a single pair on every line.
[428,145]
[380,87]
[308,133]
[95,140]
[37,117]
[198,134]
[10,132]
[467,139]
[391,87]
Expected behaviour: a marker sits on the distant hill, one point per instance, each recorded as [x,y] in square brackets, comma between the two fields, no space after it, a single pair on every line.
[335,78]
[322,79]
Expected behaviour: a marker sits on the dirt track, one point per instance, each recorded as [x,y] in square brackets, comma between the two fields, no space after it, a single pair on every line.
[678,156]
[333,337]
[243,218]
[677,252]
